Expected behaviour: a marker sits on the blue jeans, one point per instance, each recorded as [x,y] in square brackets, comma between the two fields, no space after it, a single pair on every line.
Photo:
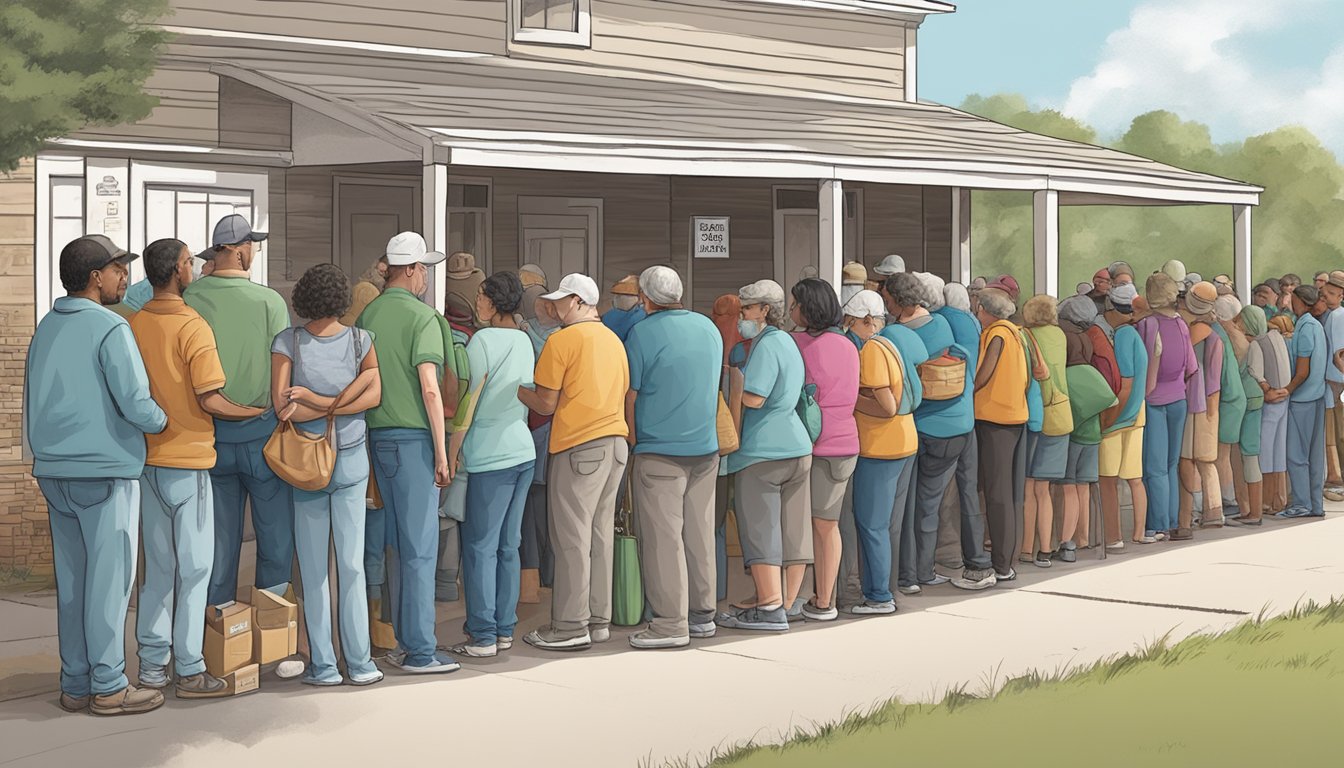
[335,512]
[94,536]
[876,504]
[403,462]
[1306,458]
[178,520]
[1161,457]
[491,535]
[241,474]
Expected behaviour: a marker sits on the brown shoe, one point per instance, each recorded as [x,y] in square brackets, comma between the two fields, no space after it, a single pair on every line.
[202,686]
[1183,534]
[74,703]
[128,701]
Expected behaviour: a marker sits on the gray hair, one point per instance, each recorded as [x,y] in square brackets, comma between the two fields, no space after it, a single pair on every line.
[997,303]
[956,296]
[662,285]
[933,290]
[1226,307]
[766,292]
[906,290]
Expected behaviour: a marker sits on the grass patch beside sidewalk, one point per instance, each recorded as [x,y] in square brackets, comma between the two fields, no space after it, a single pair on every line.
[1262,693]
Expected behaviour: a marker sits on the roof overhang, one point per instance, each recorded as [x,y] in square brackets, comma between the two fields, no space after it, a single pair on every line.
[869,7]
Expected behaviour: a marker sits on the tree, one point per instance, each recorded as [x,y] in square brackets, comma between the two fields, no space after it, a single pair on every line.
[67,64]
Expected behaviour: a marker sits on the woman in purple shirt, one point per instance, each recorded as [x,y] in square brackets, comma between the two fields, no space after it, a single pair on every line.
[1167,340]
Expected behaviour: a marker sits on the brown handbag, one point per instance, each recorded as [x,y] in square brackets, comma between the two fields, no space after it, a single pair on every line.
[305,461]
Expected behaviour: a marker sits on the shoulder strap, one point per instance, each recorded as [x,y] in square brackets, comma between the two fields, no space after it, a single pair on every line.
[294,364]
[905,394]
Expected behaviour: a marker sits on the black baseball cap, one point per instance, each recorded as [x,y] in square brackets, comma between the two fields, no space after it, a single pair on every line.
[233,229]
[109,253]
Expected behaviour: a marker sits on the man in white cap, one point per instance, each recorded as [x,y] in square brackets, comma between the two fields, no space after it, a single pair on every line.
[245,318]
[581,378]
[676,358]
[406,438]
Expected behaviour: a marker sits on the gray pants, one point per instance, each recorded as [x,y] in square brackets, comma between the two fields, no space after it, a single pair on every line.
[774,512]
[674,514]
[581,500]
[941,460]
[848,589]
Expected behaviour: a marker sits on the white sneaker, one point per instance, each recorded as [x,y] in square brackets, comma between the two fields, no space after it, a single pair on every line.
[1011,575]
[937,580]
[289,669]
[975,585]
[440,664]
[869,608]
[600,635]
[476,651]
[812,613]
[646,640]
[504,643]
[911,589]
[704,631]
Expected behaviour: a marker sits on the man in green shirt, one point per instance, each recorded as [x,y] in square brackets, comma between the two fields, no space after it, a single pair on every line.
[406,434]
[245,318]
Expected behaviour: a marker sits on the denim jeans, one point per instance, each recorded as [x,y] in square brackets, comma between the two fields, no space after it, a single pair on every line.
[178,521]
[94,535]
[876,504]
[1161,457]
[403,462]
[491,535]
[1306,457]
[940,460]
[335,513]
[240,475]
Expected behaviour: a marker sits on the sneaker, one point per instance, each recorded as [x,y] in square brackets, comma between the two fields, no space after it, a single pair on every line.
[292,668]
[550,639]
[975,580]
[438,665]
[1145,540]
[755,619]
[874,608]
[153,677]
[1067,552]
[504,642]
[599,634]
[937,580]
[1333,494]
[1160,536]
[202,686]
[476,651]
[1183,534]
[796,610]
[812,613]
[1117,546]
[1011,575]
[74,703]
[1042,560]
[376,676]
[322,682]
[128,701]
[647,641]
[704,631]
[1244,521]
[909,589]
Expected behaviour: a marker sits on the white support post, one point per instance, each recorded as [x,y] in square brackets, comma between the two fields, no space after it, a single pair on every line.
[961,235]
[831,231]
[912,63]
[434,218]
[1241,251]
[1045,205]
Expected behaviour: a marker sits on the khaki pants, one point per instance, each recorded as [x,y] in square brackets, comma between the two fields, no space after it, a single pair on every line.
[674,515]
[1334,422]
[581,499]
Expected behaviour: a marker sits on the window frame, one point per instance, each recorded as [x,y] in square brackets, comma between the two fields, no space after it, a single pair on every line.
[582,38]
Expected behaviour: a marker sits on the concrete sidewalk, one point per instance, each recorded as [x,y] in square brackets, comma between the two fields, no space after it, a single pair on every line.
[615,706]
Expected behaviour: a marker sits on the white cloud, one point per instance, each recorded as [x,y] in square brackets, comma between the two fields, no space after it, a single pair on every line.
[1193,57]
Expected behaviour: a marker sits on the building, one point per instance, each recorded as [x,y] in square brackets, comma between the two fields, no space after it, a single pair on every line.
[730,139]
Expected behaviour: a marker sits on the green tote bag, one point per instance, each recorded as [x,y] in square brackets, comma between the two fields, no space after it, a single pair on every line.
[627,586]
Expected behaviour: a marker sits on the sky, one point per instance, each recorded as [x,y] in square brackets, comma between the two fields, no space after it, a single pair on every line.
[1243,67]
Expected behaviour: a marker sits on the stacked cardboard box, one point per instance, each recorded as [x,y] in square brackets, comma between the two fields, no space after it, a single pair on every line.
[228,638]
[275,633]
[239,637]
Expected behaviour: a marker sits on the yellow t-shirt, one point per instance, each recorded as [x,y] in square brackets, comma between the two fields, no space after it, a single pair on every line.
[586,364]
[879,438]
[1004,399]
[182,362]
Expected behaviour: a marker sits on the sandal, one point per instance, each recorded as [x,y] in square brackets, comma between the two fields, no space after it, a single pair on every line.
[1145,540]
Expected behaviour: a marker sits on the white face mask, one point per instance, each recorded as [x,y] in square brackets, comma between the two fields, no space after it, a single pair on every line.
[196,266]
[750,329]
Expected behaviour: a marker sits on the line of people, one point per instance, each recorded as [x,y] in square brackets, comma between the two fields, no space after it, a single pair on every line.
[902,424]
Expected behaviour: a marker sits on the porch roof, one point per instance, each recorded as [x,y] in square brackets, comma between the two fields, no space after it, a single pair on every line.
[502,112]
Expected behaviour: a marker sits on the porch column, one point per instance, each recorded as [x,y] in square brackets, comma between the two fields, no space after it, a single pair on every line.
[434,220]
[961,235]
[831,231]
[1045,205]
[1241,251]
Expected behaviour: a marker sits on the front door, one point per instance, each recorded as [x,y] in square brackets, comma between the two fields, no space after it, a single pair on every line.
[796,242]
[369,213]
[561,235]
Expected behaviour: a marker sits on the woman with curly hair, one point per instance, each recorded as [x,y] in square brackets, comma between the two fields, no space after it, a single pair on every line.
[492,443]
[320,369]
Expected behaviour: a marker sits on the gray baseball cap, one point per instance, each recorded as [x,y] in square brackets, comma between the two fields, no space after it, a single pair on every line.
[233,229]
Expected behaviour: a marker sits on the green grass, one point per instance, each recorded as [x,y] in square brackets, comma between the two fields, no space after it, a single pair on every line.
[1264,692]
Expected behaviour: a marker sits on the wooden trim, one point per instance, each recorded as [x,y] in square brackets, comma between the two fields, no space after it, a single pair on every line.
[1241,251]
[434,220]
[868,7]
[1045,234]
[910,81]
[406,50]
[831,230]
[269,157]
[581,38]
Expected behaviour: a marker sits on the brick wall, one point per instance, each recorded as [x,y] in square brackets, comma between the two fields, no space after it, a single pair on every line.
[25,537]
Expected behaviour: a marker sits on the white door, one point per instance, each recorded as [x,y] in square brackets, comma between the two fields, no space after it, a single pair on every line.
[561,235]
[796,241]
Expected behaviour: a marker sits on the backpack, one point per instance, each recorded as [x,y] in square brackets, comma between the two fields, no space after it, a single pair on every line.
[1103,358]
[459,352]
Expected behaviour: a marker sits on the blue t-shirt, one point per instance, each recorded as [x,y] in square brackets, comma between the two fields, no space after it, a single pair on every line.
[620,321]
[966,330]
[498,437]
[138,295]
[944,418]
[1131,355]
[1334,339]
[1309,341]
[772,432]
[675,367]
[912,352]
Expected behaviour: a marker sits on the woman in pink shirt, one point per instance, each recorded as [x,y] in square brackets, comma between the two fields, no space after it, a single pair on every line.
[831,362]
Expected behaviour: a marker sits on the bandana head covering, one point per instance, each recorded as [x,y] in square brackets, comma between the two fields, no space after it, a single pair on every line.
[1200,298]
[1253,318]
[1122,296]
[1079,310]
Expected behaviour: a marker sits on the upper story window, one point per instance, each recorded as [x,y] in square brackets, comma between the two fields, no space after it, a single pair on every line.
[551,22]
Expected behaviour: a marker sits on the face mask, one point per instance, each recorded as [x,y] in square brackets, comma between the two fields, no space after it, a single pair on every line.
[750,329]
[625,303]
[196,266]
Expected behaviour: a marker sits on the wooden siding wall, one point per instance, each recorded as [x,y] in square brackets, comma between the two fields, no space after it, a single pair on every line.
[915,222]
[751,233]
[459,25]
[187,112]
[250,118]
[743,44]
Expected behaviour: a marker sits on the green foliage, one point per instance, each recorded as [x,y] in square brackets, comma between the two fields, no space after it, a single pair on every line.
[1298,227]
[67,64]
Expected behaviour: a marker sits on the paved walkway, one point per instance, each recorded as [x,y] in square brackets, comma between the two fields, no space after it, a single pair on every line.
[614,706]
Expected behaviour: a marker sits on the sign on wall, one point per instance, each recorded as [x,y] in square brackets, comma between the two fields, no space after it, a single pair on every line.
[709,237]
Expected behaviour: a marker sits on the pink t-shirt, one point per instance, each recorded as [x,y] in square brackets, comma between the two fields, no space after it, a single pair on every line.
[831,362]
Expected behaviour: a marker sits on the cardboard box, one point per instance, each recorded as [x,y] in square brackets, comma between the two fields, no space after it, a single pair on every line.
[272,611]
[275,634]
[228,638]
[243,680]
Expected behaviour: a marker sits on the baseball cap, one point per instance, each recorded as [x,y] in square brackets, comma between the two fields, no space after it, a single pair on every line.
[578,285]
[865,304]
[461,265]
[530,275]
[409,248]
[853,273]
[626,286]
[233,229]
[1336,279]
[890,265]
[114,252]
[1008,284]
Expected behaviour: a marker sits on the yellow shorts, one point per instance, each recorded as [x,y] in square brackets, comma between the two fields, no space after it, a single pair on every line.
[1122,454]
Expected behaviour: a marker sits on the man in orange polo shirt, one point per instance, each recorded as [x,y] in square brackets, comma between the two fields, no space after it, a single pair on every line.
[177,506]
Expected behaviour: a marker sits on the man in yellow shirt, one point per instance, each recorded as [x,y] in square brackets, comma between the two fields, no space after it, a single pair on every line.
[581,378]
[177,507]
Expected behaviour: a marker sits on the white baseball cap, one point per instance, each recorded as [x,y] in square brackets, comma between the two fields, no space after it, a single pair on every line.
[891,265]
[409,248]
[578,285]
[865,304]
